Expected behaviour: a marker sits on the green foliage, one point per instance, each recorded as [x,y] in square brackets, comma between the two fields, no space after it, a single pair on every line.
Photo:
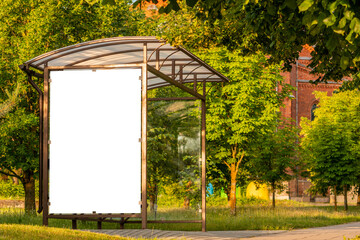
[281,28]
[242,111]
[19,143]
[31,28]
[28,29]
[173,148]
[274,155]
[11,190]
[247,107]
[331,141]
[162,147]
[182,28]
[217,201]
[8,105]
[167,199]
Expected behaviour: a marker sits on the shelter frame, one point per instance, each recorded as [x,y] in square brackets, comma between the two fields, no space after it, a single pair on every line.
[145,69]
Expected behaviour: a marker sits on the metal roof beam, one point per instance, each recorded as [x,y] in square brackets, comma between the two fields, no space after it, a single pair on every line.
[173,82]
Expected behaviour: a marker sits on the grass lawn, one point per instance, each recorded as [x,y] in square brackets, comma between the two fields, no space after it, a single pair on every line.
[26,232]
[257,216]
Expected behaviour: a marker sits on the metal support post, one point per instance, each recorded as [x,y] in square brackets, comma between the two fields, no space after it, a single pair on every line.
[203,160]
[144,141]
[45,168]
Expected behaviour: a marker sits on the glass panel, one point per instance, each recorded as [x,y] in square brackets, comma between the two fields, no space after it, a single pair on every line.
[174,167]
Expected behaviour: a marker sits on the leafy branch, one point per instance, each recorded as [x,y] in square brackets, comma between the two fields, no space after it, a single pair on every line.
[10,103]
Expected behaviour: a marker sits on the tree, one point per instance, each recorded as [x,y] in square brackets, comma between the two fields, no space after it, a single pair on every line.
[10,103]
[162,149]
[332,142]
[28,29]
[18,150]
[182,28]
[273,156]
[240,112]
[281,28]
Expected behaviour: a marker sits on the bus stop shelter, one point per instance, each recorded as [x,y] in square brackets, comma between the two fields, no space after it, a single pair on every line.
[93,124]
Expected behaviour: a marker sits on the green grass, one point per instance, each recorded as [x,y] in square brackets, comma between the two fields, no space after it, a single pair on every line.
[250,216]
[280,218]
[26,232]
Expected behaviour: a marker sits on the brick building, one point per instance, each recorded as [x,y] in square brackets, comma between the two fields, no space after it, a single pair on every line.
[303,106]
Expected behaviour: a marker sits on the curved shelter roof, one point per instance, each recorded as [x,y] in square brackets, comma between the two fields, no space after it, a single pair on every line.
[175,63]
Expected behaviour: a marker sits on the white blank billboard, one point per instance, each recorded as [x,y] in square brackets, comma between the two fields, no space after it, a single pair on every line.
[95,152]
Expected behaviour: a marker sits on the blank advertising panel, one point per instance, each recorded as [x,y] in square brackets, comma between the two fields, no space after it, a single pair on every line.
[95,152]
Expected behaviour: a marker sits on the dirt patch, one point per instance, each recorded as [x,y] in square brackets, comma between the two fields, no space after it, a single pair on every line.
[9,203]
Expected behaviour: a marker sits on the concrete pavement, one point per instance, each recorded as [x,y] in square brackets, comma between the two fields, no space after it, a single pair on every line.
[349,230]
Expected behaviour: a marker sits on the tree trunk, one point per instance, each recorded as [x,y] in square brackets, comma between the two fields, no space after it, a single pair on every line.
[232,202]
[358,200]
[29,187]
[345,198]
[228,191]
[152,202]
[335,200]
[234,167]
[273,194]
[152,197]
[15,181]
[188,191]
[186,203]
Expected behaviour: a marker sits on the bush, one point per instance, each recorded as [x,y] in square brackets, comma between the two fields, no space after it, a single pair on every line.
[250,201]
[221,201]
[11,190]
[215,200]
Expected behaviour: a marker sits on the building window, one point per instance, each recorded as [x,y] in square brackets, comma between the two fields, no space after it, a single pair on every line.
[312,117]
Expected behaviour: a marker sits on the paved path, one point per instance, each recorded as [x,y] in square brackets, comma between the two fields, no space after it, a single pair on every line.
[322,233]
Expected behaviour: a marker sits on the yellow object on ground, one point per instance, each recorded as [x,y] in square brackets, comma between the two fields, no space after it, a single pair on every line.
[259,191]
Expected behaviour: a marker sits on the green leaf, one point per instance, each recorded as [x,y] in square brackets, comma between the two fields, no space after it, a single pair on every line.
[91,2]
[291,4]
[324,3]
[191,3]
[339,31]
[329,21]
[344,3]
[271,9]
[356,59]
[331,44]
[344,62]
[349,37]
[355,25]
[342,23]
[109,2]
[332,6]
[173,5]
[348,14]
[305,5]
[272,44]
[309,20]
